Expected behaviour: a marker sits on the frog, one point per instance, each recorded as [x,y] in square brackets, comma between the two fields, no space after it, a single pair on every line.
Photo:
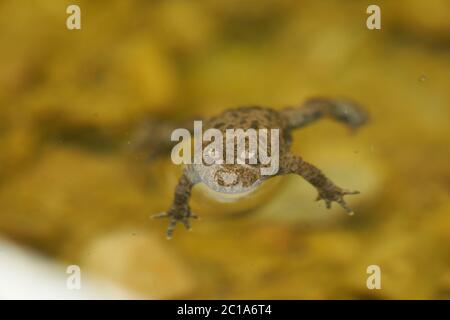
[239,178]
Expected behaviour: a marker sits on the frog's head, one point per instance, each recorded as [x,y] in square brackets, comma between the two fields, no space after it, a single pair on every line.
[239,174]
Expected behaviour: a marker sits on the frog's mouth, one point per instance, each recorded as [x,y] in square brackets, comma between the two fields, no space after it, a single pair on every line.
[226,178]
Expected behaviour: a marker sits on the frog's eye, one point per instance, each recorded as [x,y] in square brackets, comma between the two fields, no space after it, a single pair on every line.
[241,157]
[216,155]
[213,156]
[252,157]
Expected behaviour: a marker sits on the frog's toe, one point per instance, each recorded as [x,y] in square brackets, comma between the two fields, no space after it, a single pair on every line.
[171,228]
[187,224]
[159,215]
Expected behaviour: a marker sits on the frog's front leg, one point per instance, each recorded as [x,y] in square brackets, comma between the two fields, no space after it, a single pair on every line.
[180,210]
[327,190]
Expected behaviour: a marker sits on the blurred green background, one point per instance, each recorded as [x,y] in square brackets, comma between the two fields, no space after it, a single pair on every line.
[71,100]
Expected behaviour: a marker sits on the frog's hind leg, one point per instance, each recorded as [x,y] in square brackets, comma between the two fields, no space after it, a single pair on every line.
[151,138]
[342,110]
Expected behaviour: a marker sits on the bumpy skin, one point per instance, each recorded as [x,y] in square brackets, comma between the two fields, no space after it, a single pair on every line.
[245,176]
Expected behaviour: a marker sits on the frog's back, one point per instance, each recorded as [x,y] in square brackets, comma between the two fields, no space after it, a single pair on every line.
[253,117]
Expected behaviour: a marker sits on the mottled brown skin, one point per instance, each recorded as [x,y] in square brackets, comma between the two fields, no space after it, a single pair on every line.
[285,120]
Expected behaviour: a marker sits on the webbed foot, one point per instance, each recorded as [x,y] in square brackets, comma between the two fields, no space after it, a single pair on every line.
[176,214]
[336,194]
